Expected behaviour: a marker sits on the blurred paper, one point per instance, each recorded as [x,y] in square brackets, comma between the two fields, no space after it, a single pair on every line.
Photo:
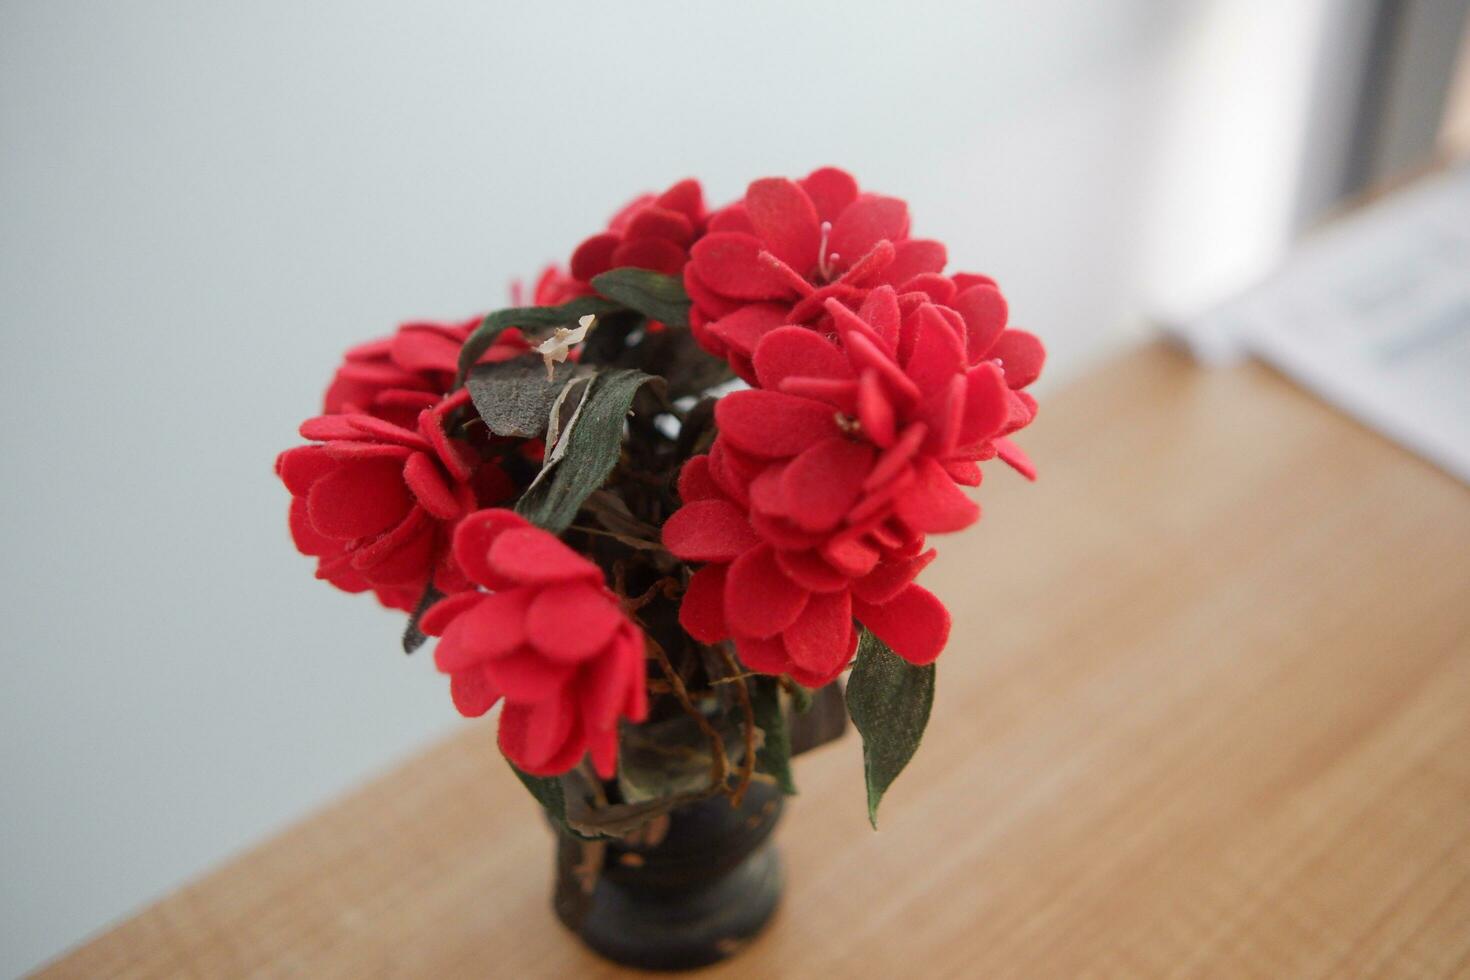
[1373,314]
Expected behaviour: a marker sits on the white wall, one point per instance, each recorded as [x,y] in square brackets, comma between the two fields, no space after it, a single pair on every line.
[201,205]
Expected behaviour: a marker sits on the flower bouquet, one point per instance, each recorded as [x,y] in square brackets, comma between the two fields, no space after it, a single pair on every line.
[658,510]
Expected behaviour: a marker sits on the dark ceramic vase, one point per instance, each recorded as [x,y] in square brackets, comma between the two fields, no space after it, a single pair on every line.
[687,893]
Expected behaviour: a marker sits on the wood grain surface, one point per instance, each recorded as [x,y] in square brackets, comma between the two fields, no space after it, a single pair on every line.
[1205,712]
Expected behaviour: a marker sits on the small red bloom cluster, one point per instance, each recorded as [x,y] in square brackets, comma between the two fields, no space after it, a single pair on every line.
[375,503]
[879,385]
[549,638]
[652,231]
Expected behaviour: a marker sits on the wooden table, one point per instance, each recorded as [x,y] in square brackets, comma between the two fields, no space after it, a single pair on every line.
[1206,711]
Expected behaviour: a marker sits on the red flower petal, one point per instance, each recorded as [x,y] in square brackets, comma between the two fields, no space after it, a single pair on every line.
[822,483]
[660,222]
[401,555]
[880,311]
[529,555]
[773,424]
[797,352]
[760,600]
[423,477]
[896,458]
[702,613]
[572,622]
[866,354]
[515,723]
[847,323]
[656,254]
[841,395]
[785,220]
[696,482]
[343,449]
[473,692]
[764,656]
[865,223]
[831,191]
[603,687]
[744,328]
[768,491]
[808,569]
[1015,458]
[849,555]
[731,218]
[426,347]
[299,468]
[987,406]
[549,724]
[358,499]
[325,428]
[307,539]
[685,197]
[889,579]
[708,530]
[490,628]
[706,300]
[603,747]
[526,677]
[914,624]
[594,256]
[385,431]
[436,618]
[934,504]
[817,641]
[875,411]
[1021,356]
[915,257]
[472,540]
[944,413]
[963,471]
[985,313]
[964,280]
[938,355]
[939,289]
[730,263]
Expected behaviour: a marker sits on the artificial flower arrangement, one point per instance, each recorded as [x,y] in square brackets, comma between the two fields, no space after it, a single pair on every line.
[688,484]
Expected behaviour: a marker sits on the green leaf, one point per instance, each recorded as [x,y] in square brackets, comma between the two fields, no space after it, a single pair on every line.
[527,318]
[774,755]
[655,295]
[889,701]
[592,449]
[801,698]
[515,397]
[547,790]
[413,637]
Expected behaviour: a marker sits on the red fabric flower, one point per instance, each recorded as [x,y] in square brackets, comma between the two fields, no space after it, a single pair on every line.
[653,231]
[788,607]
[548,637]
[376,503]
[814,502]
[554,287]
[395,378]
[776,256]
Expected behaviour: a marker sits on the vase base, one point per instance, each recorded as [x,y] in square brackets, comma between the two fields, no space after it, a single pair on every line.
[688,930]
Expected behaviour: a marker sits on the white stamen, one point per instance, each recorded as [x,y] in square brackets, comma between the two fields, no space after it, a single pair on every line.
[824,269]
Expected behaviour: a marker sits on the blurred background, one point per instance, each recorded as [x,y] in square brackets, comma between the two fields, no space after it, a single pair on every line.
[202,205]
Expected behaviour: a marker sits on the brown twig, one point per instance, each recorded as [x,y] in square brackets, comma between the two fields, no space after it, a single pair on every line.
[747,764]
[720,763]
[668,586]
